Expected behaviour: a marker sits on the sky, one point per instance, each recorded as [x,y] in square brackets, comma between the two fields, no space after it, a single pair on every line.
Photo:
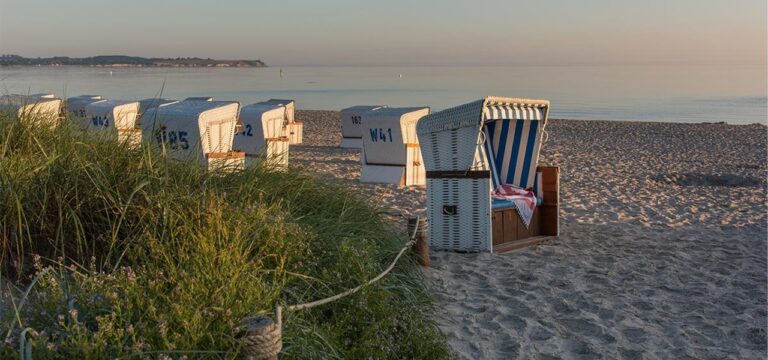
[394,32]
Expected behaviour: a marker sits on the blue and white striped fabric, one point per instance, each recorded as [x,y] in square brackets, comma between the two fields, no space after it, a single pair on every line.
[513,140]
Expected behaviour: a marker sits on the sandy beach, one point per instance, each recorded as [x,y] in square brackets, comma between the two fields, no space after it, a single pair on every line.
[662,252]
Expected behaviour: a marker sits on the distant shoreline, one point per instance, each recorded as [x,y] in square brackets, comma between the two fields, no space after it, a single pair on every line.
[122,61]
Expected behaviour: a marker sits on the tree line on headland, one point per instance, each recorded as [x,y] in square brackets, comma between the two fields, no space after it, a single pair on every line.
[126,61]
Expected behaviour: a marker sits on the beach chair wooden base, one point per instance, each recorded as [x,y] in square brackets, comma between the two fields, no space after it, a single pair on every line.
[522,243]
[276,155]
[508,230]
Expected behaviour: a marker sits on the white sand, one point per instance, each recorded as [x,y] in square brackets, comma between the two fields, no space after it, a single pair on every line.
[662,252]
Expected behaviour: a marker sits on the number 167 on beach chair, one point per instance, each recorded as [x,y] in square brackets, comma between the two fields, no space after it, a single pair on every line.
[485,190]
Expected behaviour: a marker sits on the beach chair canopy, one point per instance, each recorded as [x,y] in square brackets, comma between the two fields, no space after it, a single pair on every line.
[112,114]
[289,106]
[351,119]
[152,103]
[76,104]
[386,132]
[260,122]
[146,104]
[192,128]
[496,134]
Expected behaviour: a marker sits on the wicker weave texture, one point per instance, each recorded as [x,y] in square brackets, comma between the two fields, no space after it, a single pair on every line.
[469,228]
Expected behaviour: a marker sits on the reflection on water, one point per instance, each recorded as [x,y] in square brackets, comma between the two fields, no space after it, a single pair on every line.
[735,94]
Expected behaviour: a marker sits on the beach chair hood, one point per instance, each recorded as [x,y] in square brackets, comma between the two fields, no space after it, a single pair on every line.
[499,126]
[351,120]
[112,114]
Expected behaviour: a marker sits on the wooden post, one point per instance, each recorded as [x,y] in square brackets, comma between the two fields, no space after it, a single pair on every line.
[422,245]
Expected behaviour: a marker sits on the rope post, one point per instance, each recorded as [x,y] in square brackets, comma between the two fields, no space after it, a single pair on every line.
[262,338]
[417,228]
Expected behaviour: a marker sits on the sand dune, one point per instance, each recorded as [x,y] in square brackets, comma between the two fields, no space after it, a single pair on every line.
[662,253]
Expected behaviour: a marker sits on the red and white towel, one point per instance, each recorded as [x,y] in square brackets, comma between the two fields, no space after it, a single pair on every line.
[525,200]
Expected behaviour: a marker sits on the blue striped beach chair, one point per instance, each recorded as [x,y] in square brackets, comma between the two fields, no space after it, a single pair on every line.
[471,149]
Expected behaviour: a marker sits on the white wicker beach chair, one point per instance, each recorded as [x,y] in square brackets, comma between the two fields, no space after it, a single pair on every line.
[201,131]
[114,118]
[42,110]
[76,108]
[351,131]
[390,152]
[261,136]
[470,149]
[292,129]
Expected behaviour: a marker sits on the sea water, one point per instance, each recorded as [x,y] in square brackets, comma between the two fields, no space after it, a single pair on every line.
[667,93]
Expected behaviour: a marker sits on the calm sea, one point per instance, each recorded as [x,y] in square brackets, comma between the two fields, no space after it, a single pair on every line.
[734,94]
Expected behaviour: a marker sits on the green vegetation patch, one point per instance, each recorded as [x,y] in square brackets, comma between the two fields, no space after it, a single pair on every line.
[124,253]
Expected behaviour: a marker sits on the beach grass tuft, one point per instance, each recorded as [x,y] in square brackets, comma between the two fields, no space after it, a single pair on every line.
[114,252]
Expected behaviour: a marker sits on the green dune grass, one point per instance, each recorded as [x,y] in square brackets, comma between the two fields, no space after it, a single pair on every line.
[127,254]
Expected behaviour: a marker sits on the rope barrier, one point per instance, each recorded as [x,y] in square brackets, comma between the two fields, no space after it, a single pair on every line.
[411,241]
[263,338]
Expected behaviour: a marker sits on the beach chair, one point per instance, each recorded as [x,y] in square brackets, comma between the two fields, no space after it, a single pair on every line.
[351,118]
[261,136]
[41,110]
[471,149]
[292,129]
[75,108]
[390,152]
[114,118]
[201,131]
